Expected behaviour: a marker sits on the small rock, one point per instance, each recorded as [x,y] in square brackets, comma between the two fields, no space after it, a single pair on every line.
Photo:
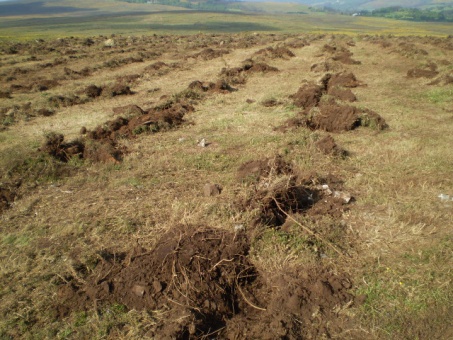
[239,227]
[444,197]
[157,286]
[109,43]
[83,130]
[345,196]
[202,143]
[211,190]
[138,290]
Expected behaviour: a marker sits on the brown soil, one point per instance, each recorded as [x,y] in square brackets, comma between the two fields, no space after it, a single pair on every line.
[297,43]
[342,79]
[63,101]
[202,280]
[340,54]
[159,68]
[259,169]
[308,96]
[220,86]
[237,75]
[274,53]
[279,192]
[154,120]
[191,271]
[100,145]
[325,66]
[342,94]
[128,79]
[299,304]
[7,196]
[72,74]
[5,94]
[118,89]
[291,124]
[92,91]
[421,73]
[328,146]
[209,54]
[271,102]
[261,68]
[55,146]
[128,110]
[156,66]
[345,58]
[333,117]
[35,86]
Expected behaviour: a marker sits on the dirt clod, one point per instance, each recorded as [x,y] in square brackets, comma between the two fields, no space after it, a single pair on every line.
[328,146]
[332,117]
[93,91]
[210,189]
[55,146]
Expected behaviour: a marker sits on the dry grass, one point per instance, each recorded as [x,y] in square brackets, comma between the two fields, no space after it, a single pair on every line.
[398,228]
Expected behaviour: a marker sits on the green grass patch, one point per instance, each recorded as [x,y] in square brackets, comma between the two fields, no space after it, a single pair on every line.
[440,95]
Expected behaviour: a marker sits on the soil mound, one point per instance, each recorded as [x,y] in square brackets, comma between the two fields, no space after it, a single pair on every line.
[345,58]
[253,171]
[274,53]
[272,102]
[328,146]
[7,196]
[65,101]
[342,94]
[128,110]
[203,282]
[5,94]
[342,79]
[197,272]
[118,89]
[301,305]
[308,95]
[325,66]
[261,68]
[92,91]
[333,117]
[279,192]
[220,86]
[158,68]
[297,43]
[55,146]
[340,54]
[209,54]
[154,120]
[237,75]
[72,74]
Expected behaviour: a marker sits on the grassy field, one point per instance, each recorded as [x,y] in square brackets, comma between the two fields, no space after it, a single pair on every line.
[188,198]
